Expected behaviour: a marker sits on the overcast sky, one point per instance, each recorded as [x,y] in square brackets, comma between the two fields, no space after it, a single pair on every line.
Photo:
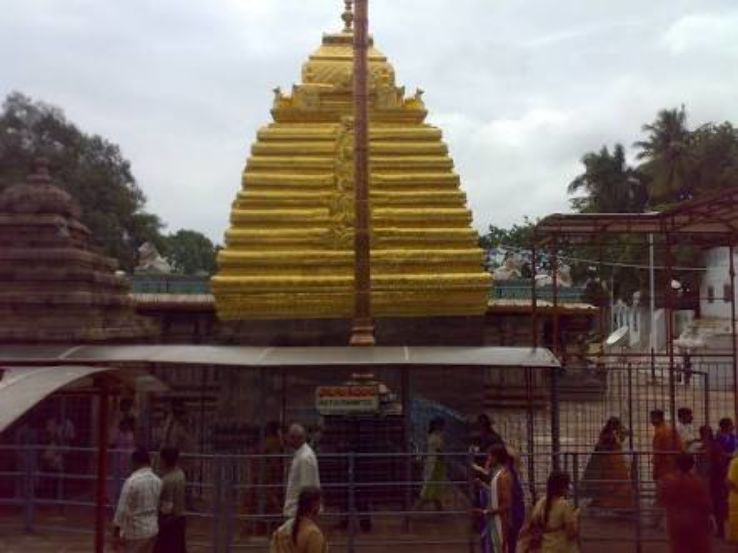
[521,88]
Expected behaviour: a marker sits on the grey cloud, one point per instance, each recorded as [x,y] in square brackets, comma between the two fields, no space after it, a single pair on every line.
[521,89]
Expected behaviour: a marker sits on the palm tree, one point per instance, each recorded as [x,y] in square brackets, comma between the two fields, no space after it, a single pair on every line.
[665,153]
[611,186]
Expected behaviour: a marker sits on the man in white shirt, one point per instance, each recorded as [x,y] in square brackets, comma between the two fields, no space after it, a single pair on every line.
[135,524]
[303,470]
[687,433]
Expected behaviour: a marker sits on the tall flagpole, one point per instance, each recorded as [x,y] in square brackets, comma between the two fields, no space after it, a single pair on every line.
[362,331]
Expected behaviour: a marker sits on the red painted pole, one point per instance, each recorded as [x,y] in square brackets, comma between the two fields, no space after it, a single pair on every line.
[733,345]
[102,467]
[362,332]
[555,300]
[533,293]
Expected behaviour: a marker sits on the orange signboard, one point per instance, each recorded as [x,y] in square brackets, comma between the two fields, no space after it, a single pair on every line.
[336,400]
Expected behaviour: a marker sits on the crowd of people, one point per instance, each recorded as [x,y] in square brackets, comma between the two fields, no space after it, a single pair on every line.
[695,472]
[150,515]
[499,512]
[552,526]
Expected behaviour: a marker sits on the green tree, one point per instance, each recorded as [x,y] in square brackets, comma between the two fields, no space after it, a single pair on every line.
[713,160]
[92,169]
[190,252]
[666,156]
[611,186]
[518,235]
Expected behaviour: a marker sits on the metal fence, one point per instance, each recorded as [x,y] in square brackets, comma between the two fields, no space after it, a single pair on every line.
[235,503]
[368,464]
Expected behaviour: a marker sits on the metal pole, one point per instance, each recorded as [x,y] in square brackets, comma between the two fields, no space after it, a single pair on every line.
[602,327]
[530,430]
[362,331]
[670,340]
[102,466]
[630,406]
[706,394]
[352,502]
[406,429]
[612,300]
[652,294]
[575,467]
[734,346]
[635,472]
[29,470]
[555,299]
[555,422]
[533,294]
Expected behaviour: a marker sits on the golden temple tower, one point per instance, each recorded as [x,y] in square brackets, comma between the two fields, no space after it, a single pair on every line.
[288,252]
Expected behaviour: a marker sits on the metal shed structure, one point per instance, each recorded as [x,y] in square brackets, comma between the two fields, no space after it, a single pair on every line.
[446,374]
[706,222]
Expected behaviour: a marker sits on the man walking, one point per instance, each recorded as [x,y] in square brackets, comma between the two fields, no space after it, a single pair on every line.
[666,446]
[685,497]
[687,432]
[135,523]
[303,469]
[172,522]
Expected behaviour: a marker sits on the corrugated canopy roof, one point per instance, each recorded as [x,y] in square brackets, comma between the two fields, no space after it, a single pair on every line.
[23,387]
[712,219]
[279,356]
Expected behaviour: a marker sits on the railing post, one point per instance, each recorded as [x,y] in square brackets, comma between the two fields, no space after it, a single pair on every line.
[576,478]
[472,494]
[653,364]
[230,501]
[407,438]
[351,502]
[635,472]
[29,455]
[555,423]
[530,430]
[630,406]
[706,392]
[217,503]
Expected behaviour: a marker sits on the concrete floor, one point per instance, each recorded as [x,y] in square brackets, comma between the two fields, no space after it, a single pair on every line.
[600,536]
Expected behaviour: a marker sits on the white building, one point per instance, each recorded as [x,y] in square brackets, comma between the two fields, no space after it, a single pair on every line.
[715,284]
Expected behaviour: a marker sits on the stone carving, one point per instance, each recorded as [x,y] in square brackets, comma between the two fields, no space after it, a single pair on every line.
[416,102]
[306,97]
[388,98]
[341,204]
[565,280]
[510,269]
[151,261]
[563,277]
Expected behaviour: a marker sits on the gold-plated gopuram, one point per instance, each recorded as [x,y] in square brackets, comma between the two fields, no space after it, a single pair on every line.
[289,251]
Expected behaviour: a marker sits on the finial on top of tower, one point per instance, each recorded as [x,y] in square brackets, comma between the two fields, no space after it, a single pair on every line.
[40,173]
[348,16]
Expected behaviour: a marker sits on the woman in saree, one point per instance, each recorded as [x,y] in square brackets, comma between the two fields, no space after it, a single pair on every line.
[498,480]
[554,522]
[434,470]
[607,478]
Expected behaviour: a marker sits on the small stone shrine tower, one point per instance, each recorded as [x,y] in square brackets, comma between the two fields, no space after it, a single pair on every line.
[54,286]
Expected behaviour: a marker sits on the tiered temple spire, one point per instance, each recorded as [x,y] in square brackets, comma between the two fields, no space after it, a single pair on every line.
[289,250]
[54,285]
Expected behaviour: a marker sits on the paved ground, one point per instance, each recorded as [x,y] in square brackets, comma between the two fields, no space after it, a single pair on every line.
[601,536]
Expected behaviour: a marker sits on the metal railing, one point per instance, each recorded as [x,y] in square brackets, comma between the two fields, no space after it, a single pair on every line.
[371,500]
